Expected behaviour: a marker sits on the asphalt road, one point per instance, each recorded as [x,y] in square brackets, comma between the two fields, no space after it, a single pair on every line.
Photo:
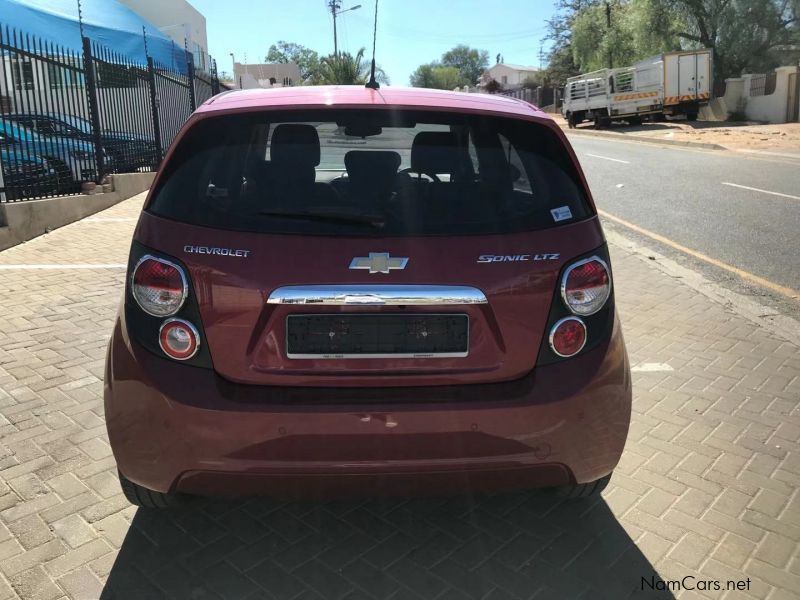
[693,198]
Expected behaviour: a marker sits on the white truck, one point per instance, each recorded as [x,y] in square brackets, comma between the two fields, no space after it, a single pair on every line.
[672,83]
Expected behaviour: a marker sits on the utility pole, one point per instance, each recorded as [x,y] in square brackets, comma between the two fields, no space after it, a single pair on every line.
[608,31]
[335,6]
[541,54]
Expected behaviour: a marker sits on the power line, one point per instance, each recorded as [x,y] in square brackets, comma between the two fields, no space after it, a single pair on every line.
[405,32]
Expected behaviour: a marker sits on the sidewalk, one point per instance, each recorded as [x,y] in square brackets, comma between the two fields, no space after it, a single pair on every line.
[708,484]
[778,138]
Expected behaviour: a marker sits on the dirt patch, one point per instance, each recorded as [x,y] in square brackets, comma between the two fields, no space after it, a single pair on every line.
[783,137]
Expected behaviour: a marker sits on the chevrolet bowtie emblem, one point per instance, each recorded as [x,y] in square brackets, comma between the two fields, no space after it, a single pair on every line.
[378,262]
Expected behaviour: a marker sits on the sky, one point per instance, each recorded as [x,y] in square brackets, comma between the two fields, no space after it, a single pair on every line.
[410,32]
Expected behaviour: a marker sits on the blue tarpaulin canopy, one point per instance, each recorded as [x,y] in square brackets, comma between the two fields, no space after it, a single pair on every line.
[106,22]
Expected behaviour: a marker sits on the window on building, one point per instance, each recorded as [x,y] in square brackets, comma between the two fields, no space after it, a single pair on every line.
[68,74]
[115,76]
[22,73]
[504,79]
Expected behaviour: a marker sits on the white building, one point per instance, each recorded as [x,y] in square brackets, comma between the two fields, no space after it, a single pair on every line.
[178,20]
[266,75]
[508,75]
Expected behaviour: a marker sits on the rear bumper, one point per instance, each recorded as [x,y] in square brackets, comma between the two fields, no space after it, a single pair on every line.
[178,428]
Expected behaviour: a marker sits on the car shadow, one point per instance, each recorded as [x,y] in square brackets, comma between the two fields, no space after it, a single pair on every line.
[503,546]
[675,124]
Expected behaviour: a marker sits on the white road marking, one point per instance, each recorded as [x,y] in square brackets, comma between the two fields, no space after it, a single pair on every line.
[627,162]
[62,267]
[651,368]
[752,189]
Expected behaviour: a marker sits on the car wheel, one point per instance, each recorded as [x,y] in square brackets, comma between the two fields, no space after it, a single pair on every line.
[691,117]
[141,496]
[582,490]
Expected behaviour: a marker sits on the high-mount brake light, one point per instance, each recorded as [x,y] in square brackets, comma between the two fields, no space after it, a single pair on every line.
[159,287]
[568,336]
[179,339]
[586,285]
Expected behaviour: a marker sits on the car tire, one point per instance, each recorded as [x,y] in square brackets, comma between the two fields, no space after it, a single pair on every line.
[691,116]
[145,498]
[582,490]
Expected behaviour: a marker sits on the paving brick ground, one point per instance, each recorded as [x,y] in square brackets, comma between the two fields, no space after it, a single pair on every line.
[708,485]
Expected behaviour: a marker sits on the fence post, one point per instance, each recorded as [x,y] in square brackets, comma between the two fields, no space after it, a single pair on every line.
[94,108]
[190,68]
[151,72]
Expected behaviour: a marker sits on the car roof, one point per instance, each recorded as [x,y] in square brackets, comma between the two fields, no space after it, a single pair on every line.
[356,95]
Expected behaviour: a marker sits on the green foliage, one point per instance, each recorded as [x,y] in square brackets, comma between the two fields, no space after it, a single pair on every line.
[493,86]
[617,34]
[560,62]
[306,59]
[346,69]
[437,76]
[470,62]
[458,66]
[532,82]
[746,35]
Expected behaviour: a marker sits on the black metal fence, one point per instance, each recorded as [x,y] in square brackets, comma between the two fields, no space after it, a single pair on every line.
[70,117]
[546,98]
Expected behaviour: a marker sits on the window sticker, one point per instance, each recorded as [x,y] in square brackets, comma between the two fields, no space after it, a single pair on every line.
[562,213]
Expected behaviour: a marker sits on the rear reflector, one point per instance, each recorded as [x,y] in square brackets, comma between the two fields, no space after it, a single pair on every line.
[158,286]
[179,339]
[568,336]
[585,286]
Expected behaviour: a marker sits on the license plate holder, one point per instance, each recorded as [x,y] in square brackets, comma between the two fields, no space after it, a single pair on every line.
[421,335]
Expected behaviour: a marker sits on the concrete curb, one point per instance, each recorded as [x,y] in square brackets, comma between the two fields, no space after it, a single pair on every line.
[779,325]
[25,220]
[645,140]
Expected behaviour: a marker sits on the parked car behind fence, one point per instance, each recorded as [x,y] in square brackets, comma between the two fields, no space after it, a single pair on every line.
[24,174]
[88,113]
[126,152]
[73,160]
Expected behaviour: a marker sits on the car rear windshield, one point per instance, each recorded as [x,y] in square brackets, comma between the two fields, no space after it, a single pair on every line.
[375,172]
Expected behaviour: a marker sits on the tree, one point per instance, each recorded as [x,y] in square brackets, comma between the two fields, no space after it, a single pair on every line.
[437,76]
[306,59]
[470,62]
[744,34]
[346,69]
[560,63]
[458,66]
[493,86]
[614,34]
[423,76]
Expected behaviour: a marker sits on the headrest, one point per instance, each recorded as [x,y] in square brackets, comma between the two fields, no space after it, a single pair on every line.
[296,145]
[367,165]
[434,152]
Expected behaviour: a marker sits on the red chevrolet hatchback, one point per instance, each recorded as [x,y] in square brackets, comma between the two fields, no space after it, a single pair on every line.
[340,290]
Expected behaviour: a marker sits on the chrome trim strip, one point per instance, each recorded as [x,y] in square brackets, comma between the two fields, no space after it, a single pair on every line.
[377,295]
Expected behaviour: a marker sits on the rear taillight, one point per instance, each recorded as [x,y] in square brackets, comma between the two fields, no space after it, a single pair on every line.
[586,285]
[568,336]
[158,286]
[179,339]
